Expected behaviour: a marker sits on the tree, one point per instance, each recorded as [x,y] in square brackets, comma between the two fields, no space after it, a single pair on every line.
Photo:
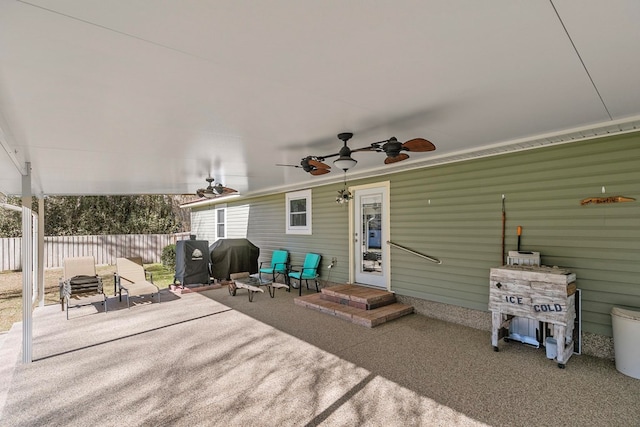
[10,221]
[91,215]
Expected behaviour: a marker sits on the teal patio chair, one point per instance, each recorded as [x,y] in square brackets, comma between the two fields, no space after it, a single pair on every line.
[308,271]
[279,264]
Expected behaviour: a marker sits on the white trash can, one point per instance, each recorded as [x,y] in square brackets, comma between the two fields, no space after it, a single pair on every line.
[626,340]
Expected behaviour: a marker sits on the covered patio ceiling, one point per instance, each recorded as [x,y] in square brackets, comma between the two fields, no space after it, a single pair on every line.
[147,97]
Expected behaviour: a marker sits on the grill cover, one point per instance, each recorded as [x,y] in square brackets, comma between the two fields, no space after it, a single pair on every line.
[192,263]
[233,256]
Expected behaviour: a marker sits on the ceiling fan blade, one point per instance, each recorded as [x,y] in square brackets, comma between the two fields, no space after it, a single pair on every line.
[227,190]
[319,171]
[398,158]
[318,164]
[293,166]
[418,144]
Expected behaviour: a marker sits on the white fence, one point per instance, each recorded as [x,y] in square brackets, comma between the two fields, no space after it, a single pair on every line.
[105,249]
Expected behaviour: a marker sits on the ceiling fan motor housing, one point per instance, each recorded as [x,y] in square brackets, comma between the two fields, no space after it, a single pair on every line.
[392,147]
[344,151]
[305,165]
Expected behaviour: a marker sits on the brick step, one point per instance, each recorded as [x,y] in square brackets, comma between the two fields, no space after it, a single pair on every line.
[369,318]
[358,296]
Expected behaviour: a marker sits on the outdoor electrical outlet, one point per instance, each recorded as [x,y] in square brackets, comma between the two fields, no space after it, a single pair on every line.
[334,260]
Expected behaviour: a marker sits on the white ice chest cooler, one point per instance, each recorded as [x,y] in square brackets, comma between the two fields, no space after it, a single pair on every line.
[543,294]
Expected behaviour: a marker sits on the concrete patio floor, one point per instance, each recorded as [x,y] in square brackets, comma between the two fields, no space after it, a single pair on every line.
[212,359]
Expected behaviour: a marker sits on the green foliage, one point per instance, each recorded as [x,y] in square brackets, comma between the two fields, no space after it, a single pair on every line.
[100,215]
[168,257]
[11,221]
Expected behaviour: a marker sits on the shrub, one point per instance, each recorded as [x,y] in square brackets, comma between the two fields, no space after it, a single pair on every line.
[168,257]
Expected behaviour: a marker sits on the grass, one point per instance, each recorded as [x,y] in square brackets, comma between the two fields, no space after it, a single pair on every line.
[11,289]
[162,276]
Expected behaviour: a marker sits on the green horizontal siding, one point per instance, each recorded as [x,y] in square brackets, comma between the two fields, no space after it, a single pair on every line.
[454,212]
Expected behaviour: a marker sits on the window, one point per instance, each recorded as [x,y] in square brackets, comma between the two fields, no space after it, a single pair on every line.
[221,222]
[299,212]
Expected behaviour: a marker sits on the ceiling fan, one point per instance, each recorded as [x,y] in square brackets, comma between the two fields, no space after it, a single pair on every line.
[213,191]
[391,147]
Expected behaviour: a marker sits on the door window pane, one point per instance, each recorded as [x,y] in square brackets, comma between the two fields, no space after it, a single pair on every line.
[371,222]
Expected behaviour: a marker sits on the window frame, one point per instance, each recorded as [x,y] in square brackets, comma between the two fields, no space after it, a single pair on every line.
[298,229]
[217,210]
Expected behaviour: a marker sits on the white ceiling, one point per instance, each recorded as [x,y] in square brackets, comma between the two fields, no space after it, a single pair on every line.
[141,96]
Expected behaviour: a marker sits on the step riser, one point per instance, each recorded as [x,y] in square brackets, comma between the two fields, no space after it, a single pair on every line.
[354,317]
[356,304]
[345,301]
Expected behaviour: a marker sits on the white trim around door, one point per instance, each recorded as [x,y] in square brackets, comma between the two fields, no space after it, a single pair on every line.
[369,228]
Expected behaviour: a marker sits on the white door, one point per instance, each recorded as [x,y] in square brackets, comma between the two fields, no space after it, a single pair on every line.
[370,231]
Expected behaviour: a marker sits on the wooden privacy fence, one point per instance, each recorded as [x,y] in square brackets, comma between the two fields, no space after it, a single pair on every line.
[105,249]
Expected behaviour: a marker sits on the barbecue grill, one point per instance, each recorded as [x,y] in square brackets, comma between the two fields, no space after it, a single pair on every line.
[233,256]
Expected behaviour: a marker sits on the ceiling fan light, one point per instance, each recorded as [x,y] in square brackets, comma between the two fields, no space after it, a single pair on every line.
[210,195]
[345,162]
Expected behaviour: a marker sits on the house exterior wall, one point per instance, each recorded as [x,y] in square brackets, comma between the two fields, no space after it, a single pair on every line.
[203,224]
[329,238]
[238,221]
[454,212]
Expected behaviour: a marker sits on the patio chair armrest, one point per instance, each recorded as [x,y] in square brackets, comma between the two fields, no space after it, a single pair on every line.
[309,268]
[65,288]
[62,291]
[293,268]
[100,285]
[286,266]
